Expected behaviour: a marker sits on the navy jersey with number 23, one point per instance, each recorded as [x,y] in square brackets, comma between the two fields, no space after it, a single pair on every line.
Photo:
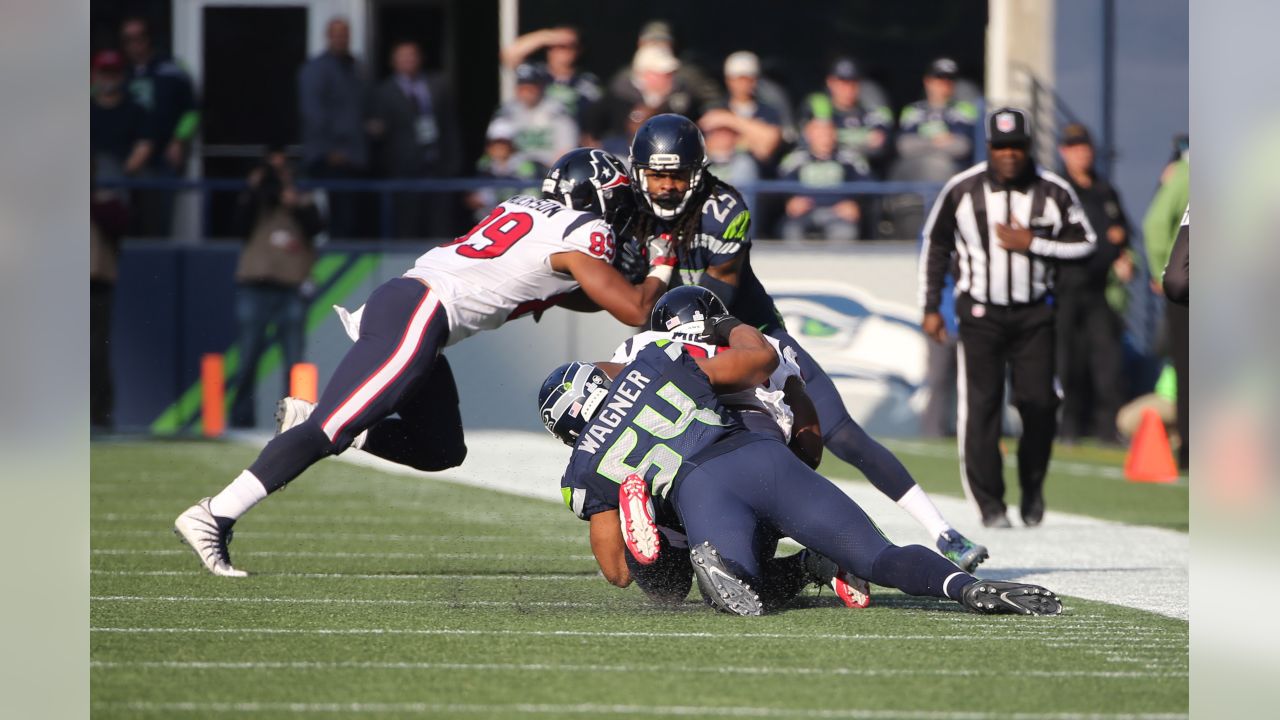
[660,412]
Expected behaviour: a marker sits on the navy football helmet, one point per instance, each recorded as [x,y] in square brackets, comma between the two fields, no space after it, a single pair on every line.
[685,309]
[667,143]
[593,181]
[570,397]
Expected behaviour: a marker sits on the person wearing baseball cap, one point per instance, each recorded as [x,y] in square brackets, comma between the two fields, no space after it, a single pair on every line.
[1090,350]
[121,132]
[758,125]
[1003,228]
[862,126]
[935,134]
[544,130]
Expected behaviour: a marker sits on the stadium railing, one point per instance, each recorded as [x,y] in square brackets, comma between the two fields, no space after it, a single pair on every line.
[386,190]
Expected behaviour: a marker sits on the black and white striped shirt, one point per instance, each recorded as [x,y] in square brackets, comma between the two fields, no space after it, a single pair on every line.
[963,222]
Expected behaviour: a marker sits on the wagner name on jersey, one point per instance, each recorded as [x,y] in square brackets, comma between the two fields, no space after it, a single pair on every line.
[501,269]
[660,412]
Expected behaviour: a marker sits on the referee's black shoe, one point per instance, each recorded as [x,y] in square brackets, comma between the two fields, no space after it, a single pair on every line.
[1032,507]
[991,597]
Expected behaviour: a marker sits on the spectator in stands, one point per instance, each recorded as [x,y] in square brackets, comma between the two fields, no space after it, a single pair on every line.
[575,89]
[544,131]
[702,88]
[1159,229]
[862,128]
[728,159]
[1090,355]
[653,88]
[502,161]
[414,123]
[121,135]
[332,95]
[820,164]
[273,275]
[758,125]
[935,135]
[108,220]
[164,90]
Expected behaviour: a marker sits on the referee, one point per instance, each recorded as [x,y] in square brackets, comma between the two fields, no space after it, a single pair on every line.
[1005,223]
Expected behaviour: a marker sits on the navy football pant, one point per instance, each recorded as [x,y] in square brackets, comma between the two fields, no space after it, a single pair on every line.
[744,500]
[841,435]
[390,369]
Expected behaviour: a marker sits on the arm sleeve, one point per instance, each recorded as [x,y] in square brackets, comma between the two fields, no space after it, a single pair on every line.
[1075,237]
[1177,275]
[935,253]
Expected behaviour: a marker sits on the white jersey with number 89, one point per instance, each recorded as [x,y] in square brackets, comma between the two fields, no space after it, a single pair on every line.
[501,269]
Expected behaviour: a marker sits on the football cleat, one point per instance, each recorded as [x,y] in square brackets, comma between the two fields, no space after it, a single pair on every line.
[292,412]
[719,587]
[200,530]
[852,590]
[991,597]
[636,515]
[966,554]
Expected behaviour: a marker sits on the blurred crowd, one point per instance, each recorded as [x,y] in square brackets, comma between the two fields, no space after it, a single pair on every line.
[145,114]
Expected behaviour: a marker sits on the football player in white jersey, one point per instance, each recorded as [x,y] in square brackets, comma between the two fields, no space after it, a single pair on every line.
[528,254]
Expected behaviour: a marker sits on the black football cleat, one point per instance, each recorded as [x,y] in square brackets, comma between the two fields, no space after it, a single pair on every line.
[720,588]
[992,597]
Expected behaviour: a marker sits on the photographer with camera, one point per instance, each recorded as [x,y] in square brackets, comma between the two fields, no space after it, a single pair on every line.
[273,275]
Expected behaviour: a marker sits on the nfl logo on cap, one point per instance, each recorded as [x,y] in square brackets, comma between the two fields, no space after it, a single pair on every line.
[1006,122]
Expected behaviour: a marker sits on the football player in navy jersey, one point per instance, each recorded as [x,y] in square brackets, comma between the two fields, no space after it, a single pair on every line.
[656,430]
[709,224]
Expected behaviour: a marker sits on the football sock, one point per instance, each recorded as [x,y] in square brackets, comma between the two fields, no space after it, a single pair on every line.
[917,570]
[235,499]
[916,502]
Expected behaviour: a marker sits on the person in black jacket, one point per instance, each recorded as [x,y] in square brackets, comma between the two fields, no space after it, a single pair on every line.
[1090,354]
[415,124]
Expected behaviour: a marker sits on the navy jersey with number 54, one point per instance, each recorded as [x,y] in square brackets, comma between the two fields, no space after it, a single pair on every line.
[660,412]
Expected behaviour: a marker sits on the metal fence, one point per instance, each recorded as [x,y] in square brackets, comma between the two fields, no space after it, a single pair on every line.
[386,191]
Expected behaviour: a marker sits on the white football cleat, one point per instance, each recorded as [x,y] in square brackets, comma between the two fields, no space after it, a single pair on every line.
[636,515]
[199,529]
[292,412]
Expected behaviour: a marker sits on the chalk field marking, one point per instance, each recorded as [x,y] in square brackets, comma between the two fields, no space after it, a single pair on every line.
[626,669]
[317,554]
[966,637]
[601,709]
[359,576]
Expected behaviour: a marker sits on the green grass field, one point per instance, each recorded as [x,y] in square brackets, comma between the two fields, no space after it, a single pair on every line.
[393,596]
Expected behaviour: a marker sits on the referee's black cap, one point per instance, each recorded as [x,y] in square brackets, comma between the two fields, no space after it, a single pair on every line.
[1008,126]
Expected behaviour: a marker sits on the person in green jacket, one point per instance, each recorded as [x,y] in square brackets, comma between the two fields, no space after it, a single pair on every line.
[1159,228]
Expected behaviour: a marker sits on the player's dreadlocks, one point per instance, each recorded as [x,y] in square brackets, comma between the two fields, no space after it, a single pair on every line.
[685,229]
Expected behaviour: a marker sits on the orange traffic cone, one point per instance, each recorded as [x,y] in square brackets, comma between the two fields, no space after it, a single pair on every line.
[1150,458]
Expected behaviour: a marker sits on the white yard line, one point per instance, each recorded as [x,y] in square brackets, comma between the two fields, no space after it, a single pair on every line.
[628,669]
[1049,635]
[421,708]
